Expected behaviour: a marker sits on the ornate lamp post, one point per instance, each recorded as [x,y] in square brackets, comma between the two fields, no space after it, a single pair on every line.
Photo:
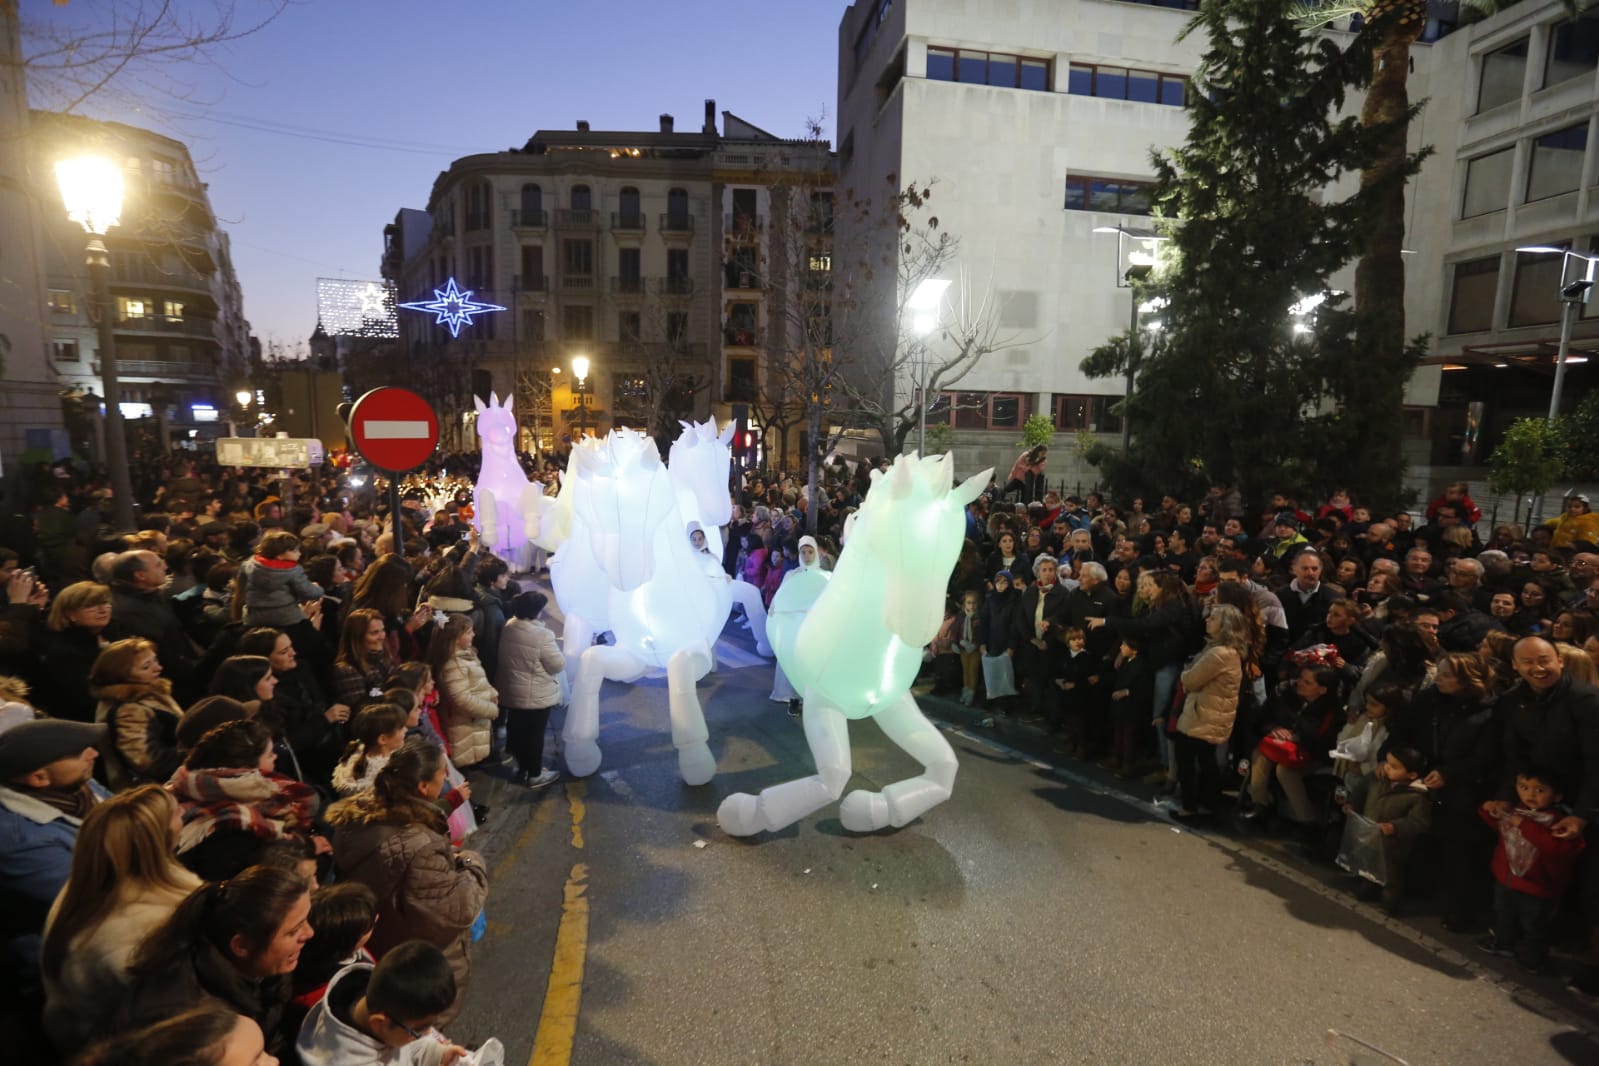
[91,189]
[580,389]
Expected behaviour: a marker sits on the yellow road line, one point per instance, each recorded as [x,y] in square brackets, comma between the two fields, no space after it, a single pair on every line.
[563,995]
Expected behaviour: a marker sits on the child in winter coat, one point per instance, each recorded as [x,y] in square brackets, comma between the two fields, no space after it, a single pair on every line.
[1398,802]
[1360,752]
[1132,694]
[383,1015]
[993,643]
[470,703]
[345,915]
[1075,692]
[1532,867]
[275,584]
[376,732]
[968,634]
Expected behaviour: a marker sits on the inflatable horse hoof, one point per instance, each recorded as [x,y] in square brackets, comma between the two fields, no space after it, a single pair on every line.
[582,757]
[696,763]
[739,815]
[864,812]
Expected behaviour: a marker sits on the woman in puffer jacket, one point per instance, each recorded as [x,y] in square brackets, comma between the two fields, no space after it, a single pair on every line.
[1211,683]
[470,703]
[136,702]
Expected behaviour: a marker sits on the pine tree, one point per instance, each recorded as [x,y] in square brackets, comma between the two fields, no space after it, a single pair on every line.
[1230,390]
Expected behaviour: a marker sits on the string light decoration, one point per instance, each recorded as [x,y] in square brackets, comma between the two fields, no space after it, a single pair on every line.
[350,308]
[453,307]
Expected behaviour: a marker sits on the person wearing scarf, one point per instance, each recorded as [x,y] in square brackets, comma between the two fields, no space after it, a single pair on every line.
[233,802]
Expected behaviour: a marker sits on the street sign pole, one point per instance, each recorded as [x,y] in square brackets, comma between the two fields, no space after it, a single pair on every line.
[394,515]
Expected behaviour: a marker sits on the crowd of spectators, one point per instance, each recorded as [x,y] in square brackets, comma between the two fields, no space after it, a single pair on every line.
[233,813]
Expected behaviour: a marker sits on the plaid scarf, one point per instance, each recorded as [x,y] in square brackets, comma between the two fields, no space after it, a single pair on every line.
[269,806]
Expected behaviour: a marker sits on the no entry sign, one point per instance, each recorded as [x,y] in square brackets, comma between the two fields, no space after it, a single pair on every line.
[394,429]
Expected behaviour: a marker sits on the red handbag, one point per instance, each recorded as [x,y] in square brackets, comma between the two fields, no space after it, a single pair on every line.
[1284,752]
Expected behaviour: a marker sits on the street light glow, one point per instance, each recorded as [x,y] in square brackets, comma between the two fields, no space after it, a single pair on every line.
[580,366]
[243,396]
[91,189]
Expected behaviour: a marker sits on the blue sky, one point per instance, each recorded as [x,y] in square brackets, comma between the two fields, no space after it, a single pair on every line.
[442,80]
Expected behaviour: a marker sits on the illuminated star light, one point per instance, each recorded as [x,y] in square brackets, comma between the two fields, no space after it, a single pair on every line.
[453,307]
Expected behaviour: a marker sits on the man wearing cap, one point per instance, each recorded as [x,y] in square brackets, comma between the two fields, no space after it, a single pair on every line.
[46,789]
[1288,539]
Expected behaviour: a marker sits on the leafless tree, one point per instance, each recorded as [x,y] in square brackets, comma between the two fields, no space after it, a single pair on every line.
[132,49]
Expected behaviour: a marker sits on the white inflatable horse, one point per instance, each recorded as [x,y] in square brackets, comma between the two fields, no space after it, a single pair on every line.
[506,504]
[661,604]
[855,652]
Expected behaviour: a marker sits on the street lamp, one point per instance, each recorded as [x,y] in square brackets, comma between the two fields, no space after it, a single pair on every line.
[1572,295]
[580,389]
[91,190]
[924,304]
[1136,248]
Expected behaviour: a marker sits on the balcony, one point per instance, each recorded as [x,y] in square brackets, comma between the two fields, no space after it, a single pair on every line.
[162,370]
[737,222]
[576,218]
[627,222]
[529,219]
[627,286]
[530,282]
[188,327]
[740,391]
[577,282]
[158,277]
[675,286]
[741,276]
[739,336]
[675,225]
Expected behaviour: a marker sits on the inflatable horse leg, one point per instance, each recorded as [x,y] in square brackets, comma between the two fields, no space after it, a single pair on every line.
[581,735]
[904,801]
[748,597]
[689,735]
[827,732]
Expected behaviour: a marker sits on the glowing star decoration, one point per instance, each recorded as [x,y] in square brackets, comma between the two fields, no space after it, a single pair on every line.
[629,546]
[453,307]
[854,653]
[372,301]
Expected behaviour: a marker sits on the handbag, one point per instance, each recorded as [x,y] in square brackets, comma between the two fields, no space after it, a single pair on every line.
[1284,752]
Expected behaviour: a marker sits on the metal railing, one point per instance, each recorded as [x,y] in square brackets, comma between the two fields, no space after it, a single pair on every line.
[577,218]
[529,219]
[630,221]
[739,222]
[676,224]
[192,327]
[675,286]
[577,282]
[530,282]
[158,368]
[150,274]
[627,286]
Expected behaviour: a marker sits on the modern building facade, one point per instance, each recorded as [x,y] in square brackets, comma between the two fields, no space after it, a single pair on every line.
[182,341]
[617,246]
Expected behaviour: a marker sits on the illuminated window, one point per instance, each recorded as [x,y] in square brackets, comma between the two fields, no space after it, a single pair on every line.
[64,351]
[63,301]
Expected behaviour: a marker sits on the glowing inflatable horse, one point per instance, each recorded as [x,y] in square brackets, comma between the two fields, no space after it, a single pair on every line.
[505,502]
[856,651]
[700,461]
[662,606]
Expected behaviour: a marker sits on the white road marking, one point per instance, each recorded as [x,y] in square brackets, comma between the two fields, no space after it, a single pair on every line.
[394,429]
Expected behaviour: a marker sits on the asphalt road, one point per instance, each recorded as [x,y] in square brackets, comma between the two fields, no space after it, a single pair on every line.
[1040,916]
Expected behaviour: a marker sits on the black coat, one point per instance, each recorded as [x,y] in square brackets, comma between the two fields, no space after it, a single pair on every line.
[1302,615]
[1171,632]
[1456,736]
[318,743]
[998,620]
[68,655]
[204,972]
[1023,629]
[1558,731]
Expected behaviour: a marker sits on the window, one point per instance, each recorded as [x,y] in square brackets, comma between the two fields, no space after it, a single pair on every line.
[63,301]
[1557,162]
[577,257]
[629,214]
[131,308]
[1488,183]
[64,351]
[1535,290]
[1471,296]
[676,327]
[533,326]
[1121,83]
[532,212]
[532,265]
[677,262]
[988,68]
[577,322]
[821,216]
[677,208]
[1092,413]
[869,28]
[582,198]
[1502,74]
[820,263]
[980,410]
[628,327]
[172,308]
[627,270]
[1573,50]
[1108,194]
[741,380]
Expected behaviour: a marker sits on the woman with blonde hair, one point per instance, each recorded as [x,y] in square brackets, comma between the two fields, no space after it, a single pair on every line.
[136,702]
[125,881]
[1577,664]
[77,620]
[1211,683]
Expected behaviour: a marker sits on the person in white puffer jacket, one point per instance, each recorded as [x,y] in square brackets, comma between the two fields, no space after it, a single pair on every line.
[470,703]
[529,667]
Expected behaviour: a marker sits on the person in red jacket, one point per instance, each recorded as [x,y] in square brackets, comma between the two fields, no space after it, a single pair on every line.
[1456,494]
[1532,866]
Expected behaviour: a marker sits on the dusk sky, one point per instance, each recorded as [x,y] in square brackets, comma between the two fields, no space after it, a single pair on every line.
[416,85]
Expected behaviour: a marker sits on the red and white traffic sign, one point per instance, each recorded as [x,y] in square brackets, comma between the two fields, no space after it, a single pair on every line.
[394,429]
